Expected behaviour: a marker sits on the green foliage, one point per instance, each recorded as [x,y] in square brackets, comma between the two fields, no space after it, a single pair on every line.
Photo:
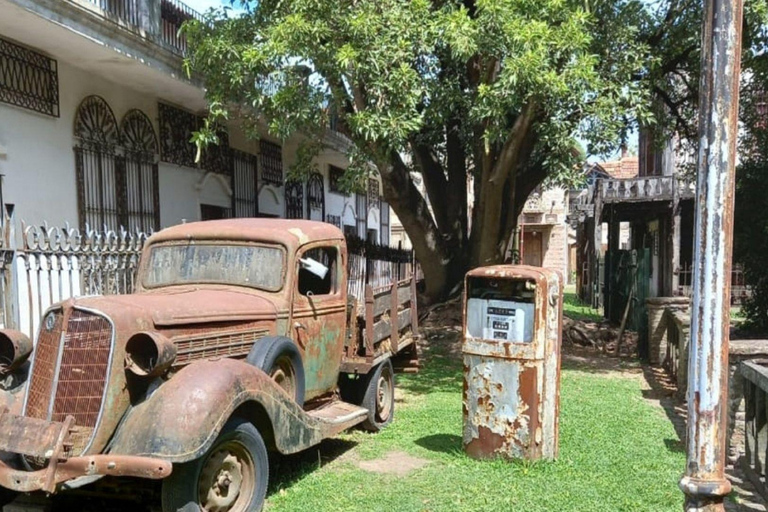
[751,239]
[397,70]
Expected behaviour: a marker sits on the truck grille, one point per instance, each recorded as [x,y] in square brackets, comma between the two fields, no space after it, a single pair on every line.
[78,389]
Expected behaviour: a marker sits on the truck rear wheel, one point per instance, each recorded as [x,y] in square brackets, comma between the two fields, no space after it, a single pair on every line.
[280,358]
[231,476]
[379,397]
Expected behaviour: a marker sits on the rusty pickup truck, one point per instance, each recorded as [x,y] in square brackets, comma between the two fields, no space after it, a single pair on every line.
[240,339]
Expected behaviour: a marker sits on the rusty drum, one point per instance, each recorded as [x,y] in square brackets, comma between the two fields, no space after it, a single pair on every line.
[512,335]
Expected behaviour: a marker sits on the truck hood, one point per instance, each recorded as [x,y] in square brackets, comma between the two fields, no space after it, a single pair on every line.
[186,306]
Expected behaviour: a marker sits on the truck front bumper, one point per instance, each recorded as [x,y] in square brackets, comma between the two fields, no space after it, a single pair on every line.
[48,478]
[48,441]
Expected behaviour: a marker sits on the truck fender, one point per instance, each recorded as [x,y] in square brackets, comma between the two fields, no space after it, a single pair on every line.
[182,419]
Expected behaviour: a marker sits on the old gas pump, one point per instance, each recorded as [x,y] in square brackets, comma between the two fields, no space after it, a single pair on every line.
[512,336]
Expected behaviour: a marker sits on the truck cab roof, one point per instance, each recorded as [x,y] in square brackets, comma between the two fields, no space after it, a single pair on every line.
[288,232]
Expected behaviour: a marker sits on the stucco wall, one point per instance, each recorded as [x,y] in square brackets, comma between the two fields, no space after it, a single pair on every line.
[38,163]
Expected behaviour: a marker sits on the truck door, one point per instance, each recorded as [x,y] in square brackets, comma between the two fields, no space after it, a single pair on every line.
[320,315]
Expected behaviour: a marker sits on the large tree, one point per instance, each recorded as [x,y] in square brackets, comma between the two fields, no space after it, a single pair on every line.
[492,90]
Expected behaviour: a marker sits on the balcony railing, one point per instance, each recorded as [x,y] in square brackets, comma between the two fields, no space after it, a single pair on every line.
[127,11]
[645,188]
[159,20]
[173,14]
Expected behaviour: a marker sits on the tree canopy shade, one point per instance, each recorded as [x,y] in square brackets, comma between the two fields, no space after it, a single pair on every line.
[488,94]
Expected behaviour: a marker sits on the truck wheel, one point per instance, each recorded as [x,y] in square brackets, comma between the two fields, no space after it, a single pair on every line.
[280,358]
[379,397]
[231,476]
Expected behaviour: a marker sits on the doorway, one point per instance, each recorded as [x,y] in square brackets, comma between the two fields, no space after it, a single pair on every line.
[532,253]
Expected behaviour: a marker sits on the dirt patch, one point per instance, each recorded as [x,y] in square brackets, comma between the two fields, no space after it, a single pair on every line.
[393,463]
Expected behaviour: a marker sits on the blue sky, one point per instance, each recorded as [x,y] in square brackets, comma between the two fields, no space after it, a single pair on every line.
[204,5]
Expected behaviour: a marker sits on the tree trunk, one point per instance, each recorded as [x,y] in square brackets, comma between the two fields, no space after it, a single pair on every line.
[438,264]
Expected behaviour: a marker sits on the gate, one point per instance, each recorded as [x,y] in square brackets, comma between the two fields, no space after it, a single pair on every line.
[628,276]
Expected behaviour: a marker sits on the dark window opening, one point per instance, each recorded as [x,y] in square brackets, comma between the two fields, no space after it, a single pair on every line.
[310,283]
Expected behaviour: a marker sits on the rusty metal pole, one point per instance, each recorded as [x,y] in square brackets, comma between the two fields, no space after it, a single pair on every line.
[704,483]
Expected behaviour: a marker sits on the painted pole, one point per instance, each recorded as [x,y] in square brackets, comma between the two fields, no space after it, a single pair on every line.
[704,482]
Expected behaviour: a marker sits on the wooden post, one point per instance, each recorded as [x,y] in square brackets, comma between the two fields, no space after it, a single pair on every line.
[368,322]
[394,324]
[414,312]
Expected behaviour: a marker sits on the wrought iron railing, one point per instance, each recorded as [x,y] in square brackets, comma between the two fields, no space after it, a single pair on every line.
[126,11]
[755,375]
[173,14]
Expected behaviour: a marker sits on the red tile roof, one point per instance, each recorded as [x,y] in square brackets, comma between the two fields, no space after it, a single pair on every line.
[625,167]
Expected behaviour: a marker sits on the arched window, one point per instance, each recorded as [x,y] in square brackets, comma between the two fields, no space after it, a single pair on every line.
[294,200]
[141,210]
[315,197]
[97,165]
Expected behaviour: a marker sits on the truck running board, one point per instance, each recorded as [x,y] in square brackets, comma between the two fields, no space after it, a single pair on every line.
[338,416]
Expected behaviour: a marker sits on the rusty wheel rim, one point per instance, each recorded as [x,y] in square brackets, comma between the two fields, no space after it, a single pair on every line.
[227,481]
[284,375]
[384,396]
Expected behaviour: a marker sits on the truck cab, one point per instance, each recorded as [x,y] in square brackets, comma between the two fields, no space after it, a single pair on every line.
[240,338]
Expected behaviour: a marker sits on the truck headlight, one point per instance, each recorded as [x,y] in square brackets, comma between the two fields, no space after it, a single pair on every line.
[15,348]
[149,354]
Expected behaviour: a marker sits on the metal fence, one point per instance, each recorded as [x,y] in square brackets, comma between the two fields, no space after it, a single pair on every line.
[377,265]
[43,265]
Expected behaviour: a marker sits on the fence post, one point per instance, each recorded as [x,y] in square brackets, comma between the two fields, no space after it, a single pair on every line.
[9,277]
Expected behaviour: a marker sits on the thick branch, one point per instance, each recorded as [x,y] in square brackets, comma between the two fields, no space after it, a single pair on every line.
[434,180]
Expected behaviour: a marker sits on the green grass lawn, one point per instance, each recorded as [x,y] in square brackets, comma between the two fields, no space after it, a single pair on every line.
[617,452]
[575,309]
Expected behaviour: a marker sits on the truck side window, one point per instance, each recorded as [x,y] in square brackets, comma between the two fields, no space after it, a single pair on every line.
[312,284]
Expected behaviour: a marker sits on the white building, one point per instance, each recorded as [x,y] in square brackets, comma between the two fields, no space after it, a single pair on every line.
[95,123]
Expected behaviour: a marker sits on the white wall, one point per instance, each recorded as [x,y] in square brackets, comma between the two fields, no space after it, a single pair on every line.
[39,162]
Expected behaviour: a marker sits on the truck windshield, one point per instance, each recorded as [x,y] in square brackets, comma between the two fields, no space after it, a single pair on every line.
[255,266]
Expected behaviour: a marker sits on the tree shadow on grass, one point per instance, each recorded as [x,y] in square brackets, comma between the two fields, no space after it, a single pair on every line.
[286,470]
[675,445]
[442,443]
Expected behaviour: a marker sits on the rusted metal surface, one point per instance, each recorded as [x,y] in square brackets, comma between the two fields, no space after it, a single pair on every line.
[15,348]
[511,386]
[704,482]
[96,357]
[109,465]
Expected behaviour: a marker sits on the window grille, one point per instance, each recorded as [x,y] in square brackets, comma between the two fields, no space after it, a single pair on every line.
[245,190]
[361,211]
[271,163]
[116,168]
[334,178]
[373,193]
[141,210]
[176,129]
[385,223]
[28,79]
[176,147]
[100,170]
[294,200]
[315,194]
[334,219]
